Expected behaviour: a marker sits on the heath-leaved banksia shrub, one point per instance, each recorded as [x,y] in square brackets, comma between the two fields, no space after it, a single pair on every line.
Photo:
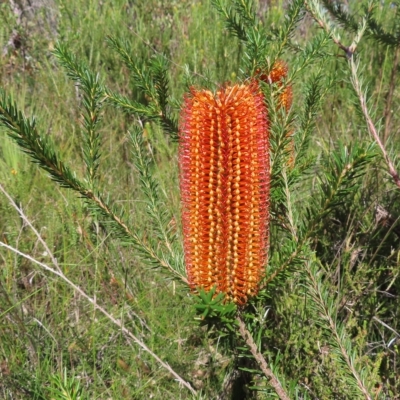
[288,196]
[224,167]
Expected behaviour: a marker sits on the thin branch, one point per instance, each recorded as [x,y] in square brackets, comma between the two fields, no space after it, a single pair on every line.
[273,380]
[389,99]
[386,325]
[371,126]
[144,247]
[324,25]
[349,51]
[327,315]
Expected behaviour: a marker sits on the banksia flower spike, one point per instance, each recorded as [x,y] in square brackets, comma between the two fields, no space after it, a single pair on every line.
[224,181]
[277,75]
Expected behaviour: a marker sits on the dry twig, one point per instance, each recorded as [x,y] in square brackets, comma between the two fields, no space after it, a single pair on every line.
[57,271]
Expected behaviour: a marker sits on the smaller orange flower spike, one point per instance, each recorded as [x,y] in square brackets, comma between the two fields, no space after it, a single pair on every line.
[278,74]
[285,98]
[224,182]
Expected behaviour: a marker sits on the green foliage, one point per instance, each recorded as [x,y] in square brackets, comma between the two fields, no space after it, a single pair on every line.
[212,310]
[261,42]
[39,147]
[64,388]
[326,318]
[378,31]
[93,92]
[357,376]
[152,81]
[338,182]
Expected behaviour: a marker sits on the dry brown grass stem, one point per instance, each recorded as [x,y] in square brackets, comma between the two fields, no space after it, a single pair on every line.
[57,272]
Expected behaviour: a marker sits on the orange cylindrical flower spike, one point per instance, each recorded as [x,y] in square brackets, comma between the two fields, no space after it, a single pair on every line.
[224,181]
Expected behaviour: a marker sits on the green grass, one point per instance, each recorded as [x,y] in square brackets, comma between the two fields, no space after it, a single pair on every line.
[54,344]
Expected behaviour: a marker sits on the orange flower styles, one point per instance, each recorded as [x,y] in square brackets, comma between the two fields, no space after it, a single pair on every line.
[278,74]
[224,181]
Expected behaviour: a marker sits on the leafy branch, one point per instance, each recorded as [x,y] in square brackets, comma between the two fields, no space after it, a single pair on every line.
[92,102]
[40,148]
[337,336]
[316,12]
[152,81]
[156,209]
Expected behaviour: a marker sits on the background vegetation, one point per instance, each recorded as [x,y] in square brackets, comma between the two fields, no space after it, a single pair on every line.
[328,321]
